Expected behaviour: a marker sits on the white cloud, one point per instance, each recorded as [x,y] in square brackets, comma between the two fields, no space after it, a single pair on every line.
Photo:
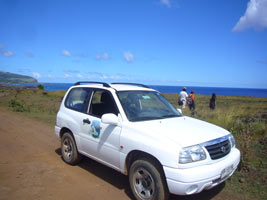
[101,76]
[67,76]
[166,3]
[66,53]
[104,56]
[254,17]
[7,53]
[94,75]
[69,54]
[110,77]
[79,76]
[128,56]
[97,57]
[71,71]
[36,75]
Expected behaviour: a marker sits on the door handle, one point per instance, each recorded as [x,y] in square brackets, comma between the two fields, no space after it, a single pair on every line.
[87,121]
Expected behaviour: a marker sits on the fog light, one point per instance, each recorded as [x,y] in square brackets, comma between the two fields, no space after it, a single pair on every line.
[192,189]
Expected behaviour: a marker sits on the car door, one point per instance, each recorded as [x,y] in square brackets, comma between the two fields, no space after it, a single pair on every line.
[76,105]
[98,140]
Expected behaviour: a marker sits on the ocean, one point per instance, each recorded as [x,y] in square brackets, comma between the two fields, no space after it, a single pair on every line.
[253,92]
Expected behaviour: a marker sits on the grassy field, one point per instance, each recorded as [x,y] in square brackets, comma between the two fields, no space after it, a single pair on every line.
[245,117]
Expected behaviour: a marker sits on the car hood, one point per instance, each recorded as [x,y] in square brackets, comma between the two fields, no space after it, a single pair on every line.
[185,131]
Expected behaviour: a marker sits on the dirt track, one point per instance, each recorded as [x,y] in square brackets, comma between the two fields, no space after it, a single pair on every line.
[31,168]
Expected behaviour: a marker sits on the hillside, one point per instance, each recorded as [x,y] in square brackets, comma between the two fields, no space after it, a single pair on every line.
[10,78]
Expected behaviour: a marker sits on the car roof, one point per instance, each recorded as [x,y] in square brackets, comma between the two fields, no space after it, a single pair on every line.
[115,86]
[123,87]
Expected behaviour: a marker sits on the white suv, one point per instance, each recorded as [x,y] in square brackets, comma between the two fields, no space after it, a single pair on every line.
[135,130]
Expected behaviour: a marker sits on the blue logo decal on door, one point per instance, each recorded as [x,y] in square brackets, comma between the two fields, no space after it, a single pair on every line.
[95,129]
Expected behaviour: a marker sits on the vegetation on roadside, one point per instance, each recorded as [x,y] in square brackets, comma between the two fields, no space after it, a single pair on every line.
[35,103]
[245,117]
[40,87]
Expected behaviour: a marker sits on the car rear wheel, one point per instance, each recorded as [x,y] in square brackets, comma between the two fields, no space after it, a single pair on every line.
[146,181]
[69,150]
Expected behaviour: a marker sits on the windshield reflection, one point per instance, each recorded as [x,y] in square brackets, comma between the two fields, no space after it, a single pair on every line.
[146,105]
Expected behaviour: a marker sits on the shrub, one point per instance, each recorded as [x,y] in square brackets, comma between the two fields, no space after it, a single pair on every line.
[40,87]
[17,106]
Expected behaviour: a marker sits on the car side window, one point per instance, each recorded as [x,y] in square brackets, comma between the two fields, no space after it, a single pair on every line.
[102,103]
[78,99]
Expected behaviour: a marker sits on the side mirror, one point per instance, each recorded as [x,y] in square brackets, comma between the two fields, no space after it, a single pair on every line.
[110,118]
[179,110]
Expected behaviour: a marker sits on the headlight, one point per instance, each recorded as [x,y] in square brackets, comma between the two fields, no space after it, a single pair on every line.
[191,154]
[232,140]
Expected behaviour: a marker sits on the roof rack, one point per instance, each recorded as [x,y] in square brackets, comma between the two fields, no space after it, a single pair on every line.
[104,84]
[137,84]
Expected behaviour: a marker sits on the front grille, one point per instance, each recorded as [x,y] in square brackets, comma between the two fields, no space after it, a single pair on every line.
[219,150]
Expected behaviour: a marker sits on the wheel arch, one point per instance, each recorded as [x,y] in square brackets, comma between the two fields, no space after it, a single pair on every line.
[137,154]
[65,130]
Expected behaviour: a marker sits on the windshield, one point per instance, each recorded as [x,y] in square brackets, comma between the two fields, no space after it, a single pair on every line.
[146,105]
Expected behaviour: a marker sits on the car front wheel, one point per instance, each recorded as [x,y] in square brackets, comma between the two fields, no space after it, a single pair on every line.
[146,181]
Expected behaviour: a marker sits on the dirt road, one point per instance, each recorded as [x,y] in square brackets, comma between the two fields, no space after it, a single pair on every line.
[31,168]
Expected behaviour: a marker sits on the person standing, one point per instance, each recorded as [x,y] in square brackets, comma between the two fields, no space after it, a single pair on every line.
[213,101]
[183,98]
[191,101]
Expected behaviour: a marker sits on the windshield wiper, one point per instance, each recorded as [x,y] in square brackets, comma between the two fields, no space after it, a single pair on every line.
[169,116]
[145,118]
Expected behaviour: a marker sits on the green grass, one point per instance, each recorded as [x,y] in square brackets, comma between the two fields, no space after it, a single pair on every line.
[37,104]
[244,117]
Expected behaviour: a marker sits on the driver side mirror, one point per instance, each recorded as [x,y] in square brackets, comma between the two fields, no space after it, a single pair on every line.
[179,110]
[110,118]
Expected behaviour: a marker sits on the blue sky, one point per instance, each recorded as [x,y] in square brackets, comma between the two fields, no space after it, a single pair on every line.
[221,43]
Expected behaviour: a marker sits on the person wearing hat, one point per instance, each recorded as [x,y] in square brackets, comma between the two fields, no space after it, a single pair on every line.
[183,98]
[191,101]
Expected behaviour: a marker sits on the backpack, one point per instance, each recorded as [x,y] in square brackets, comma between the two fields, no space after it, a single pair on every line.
[190,99]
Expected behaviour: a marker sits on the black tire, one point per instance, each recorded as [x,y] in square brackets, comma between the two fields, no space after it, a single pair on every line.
[69,150]
[147,181]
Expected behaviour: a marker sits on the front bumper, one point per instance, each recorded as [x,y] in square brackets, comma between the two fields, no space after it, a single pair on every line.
[194,180]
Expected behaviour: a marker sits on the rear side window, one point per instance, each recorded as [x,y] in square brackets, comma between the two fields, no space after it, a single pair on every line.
[78,99]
